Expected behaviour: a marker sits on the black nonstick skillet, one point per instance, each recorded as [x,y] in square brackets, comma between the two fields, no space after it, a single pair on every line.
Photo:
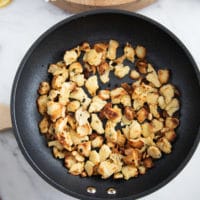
[164,51]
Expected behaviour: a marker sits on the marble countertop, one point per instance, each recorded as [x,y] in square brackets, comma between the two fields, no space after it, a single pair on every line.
[21,23]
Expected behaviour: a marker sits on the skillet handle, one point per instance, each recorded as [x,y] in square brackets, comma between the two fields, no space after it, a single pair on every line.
[5,120]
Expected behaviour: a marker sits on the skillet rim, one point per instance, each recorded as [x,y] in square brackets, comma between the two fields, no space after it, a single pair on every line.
[18,76]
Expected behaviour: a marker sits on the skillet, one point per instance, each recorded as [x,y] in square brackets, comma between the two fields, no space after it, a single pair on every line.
[164,51]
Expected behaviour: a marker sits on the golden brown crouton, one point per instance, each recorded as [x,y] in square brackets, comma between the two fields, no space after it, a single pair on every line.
[77,168]
[148,162]
[171,122]
[55,69]
[44,88]
[97,104]
[147,129]
[71,55]
[163,75]
[60,125]
[42,104]
[72,106]
[133,158]
[69,160]
[150,117]
[101,48]
[136,143]
[116,95]
[118,175]
[104,72]
[82,116]
[129,52]
[140,94]
[134,74]
[168,92]
[157,125]
[97,124]
[58,80]
[75,68]
[55,110]
[78,94]
[154,110]
[104,152]
[84,148]
[79,79]
[65,140]
[110,132]
[164,145]
[142,169]
[58,154]
[121,139]
[112,114]
[94,157]
[97,142]
[93,57]
[172,107]
[84,129]
[129,171]
[116,158]
[44,125]
[119,114]
[83,174]
[89,70]
[106,169]
[55,143]
[152,98]
[112,49]
[154,152]
[102,68]
[104,94]
[76,138]
[78,156]
[53,94]
[142,115]
[140,51]
[71,121]
[89,167]
[141,65]
[127,87]
[102,112]
[135,130]
[66,88]
[170,135]
[152,76]
[129,113]
[126,100]
[121,70]
[161,102]
[105,77]
[86,102]
[92,85]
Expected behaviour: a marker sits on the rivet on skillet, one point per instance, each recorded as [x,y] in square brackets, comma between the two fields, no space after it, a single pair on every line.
[111,191]
[91,190]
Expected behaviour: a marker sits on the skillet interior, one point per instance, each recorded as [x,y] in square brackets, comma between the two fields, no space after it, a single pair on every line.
[164,51]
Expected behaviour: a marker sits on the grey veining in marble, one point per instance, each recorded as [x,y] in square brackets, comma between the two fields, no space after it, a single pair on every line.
[21,23]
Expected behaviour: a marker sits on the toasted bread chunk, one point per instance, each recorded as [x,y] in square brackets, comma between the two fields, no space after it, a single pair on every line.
[92,85]
[112,49]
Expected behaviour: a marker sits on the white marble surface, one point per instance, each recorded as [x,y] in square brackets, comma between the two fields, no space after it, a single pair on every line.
[20,25]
